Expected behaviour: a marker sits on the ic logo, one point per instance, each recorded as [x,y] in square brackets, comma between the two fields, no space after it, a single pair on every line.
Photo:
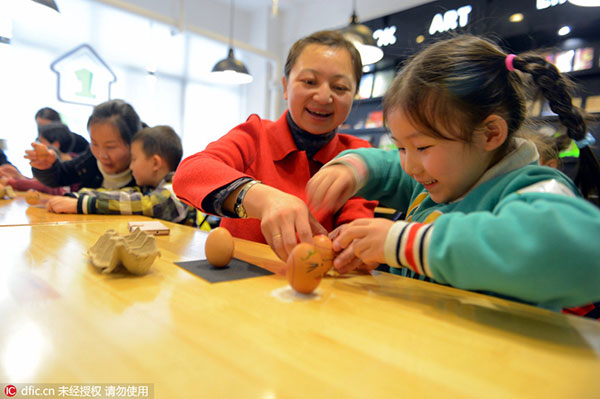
[10,390]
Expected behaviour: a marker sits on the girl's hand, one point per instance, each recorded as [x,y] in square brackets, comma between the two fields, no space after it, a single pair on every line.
[59,204]
[40,157]
[330,188]
[285,218]
[362,239]
[348,260]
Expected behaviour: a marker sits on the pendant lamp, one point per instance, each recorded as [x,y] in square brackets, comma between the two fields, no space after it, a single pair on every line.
[230,70]
[48,3]
[586,3]
[362,37]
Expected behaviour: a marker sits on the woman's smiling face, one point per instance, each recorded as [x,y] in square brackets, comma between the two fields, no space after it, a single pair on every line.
[320,88]
[109,148]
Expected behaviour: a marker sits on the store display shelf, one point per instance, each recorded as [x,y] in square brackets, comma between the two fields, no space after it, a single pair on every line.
[364,132]
[368,100]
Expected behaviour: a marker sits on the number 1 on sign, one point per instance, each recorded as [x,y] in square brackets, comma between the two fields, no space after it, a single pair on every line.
[85,77]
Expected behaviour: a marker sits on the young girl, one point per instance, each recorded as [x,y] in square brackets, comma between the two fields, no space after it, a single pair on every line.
[105,164]
[481,214]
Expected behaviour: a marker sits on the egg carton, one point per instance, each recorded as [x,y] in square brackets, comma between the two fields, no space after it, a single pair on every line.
[136,252]
[7,192]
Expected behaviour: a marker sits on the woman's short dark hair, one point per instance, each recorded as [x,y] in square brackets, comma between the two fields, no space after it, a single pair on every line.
[325,38]
[120,114]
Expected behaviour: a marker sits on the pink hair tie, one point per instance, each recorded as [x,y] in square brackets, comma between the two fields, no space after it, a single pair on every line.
[509,62]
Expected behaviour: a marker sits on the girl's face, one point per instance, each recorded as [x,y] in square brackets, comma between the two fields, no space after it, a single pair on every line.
[447,169]
[320,88]
[109,148]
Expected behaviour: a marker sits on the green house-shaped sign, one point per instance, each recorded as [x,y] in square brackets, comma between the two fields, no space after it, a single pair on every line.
[83,77]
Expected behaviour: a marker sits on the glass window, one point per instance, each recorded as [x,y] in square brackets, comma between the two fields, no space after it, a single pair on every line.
[161,71]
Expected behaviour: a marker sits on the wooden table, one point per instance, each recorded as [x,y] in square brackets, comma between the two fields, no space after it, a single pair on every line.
[359,336]
[16,212]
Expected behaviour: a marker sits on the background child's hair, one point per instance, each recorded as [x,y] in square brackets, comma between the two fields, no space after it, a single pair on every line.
[120,114]
[457,83]
[57,131]
[162,141]
[48,113]
[548,146]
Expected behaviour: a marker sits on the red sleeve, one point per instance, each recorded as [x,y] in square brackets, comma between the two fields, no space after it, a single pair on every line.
[222,162]
[26,184]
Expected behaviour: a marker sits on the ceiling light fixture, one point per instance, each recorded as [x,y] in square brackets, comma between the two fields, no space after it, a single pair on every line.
[230,70]
[362,37]
[517,17]
[48,3]
[585,3]
[565,30]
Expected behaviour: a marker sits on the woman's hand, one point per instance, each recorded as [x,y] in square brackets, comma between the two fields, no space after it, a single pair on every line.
[361,241]
[62,205]
[285,218]
[330,188]
[40,157]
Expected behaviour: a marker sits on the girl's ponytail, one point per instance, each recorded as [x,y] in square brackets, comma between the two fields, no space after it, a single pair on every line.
[555,87]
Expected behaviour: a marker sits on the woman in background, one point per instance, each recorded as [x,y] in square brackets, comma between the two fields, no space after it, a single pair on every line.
[105,164]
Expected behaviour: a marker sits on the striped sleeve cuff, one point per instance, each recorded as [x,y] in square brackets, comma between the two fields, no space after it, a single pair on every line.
[86,204]
[407,245]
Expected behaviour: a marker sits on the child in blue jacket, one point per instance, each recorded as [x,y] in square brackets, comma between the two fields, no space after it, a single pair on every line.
[481,214]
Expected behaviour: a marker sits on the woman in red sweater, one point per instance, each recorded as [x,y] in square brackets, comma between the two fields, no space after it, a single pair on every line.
[255,176]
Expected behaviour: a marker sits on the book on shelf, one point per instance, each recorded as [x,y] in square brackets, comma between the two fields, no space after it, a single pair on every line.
[374,119]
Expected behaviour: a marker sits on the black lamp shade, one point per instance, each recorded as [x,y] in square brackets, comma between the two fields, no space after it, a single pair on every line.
[48,3]
[231,70]
[230,64]
[362,38]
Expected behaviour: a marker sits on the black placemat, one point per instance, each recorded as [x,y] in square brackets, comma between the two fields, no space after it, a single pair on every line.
[236,270]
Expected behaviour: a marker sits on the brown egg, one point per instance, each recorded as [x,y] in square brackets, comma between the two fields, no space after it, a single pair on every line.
[325,248]
[304,268]
[32,197]
[219,247]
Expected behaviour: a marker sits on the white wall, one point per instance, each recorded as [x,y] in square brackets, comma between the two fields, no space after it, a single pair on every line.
[257,29]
